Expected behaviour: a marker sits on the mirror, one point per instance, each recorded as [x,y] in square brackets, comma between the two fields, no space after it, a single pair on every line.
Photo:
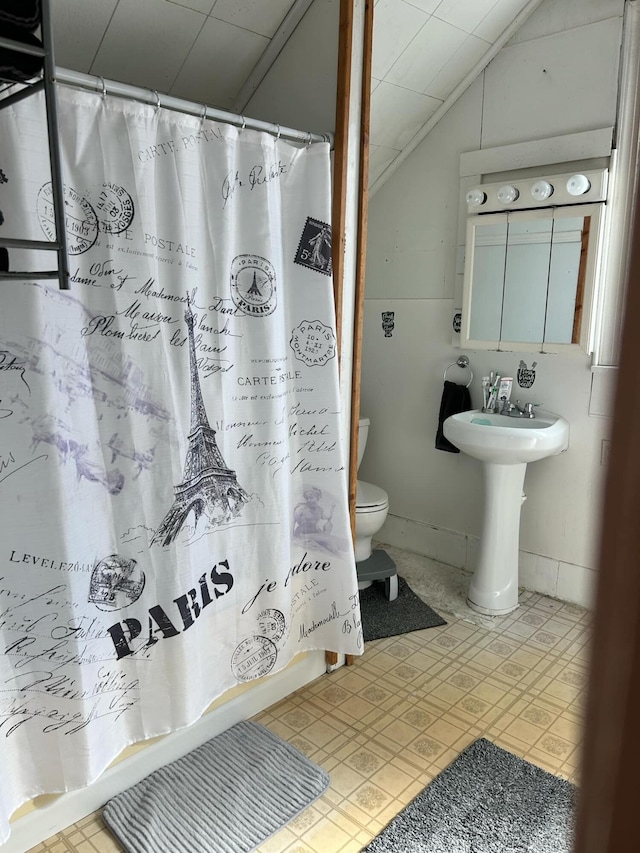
[530,279]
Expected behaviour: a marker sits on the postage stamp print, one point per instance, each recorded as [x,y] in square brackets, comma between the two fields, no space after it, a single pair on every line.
[314,248]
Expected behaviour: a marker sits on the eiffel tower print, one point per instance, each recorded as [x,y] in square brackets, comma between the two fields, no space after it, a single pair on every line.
[254,290]
[207,486]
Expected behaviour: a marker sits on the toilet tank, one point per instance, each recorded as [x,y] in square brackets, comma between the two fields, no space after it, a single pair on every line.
[363,432]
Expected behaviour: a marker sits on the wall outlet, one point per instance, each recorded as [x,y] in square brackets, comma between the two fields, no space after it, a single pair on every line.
[605,451]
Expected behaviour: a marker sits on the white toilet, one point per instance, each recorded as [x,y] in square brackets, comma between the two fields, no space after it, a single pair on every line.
[372,503]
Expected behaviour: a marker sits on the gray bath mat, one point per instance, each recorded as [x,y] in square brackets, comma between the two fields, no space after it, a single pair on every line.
[226,796]
[487,801]
[384,618]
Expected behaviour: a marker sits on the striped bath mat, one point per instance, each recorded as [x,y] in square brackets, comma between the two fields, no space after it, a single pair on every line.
[226,796]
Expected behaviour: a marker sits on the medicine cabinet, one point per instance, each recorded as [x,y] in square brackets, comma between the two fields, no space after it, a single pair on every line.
[530,274]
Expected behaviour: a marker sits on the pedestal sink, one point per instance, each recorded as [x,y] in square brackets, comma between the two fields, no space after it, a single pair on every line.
[505,445]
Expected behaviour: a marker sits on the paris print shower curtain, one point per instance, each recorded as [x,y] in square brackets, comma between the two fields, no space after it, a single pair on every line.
[172,481]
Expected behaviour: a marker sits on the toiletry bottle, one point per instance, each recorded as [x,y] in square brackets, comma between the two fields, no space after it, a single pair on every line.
[504,392]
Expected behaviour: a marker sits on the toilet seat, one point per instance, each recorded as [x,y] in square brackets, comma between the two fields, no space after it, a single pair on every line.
[370,498]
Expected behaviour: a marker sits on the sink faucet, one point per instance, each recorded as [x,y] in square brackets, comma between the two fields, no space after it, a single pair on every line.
[519,410]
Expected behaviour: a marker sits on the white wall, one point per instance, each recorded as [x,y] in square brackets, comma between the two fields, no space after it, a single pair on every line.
[557,76]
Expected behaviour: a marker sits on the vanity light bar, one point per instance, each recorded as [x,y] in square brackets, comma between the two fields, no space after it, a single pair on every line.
[547,191]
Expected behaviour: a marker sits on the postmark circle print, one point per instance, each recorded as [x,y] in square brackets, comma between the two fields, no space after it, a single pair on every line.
[253,285]
[254,657]
[116,582]
[114,207]
[80,220]
[313,343]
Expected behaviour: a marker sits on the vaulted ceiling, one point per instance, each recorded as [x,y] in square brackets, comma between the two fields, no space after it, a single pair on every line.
[218,52]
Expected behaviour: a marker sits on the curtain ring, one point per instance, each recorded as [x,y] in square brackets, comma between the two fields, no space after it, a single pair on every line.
[204,114]
[278,134]
[104,87]
[155,92]
[244,123]
[308,144]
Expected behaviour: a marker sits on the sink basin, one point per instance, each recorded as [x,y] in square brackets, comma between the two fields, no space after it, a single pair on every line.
[507,440]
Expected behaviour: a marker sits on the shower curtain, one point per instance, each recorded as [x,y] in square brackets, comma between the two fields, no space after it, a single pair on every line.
[172,480]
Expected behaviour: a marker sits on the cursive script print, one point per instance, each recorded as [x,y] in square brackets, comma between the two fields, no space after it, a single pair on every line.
[8,361]
[254,177]
[63,673]
[10,466]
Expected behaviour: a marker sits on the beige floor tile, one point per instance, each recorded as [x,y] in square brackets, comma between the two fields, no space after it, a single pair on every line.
[345,780]
[524,731]
[105,843]
[279,842]
[557,747]
[352,847]
[299,847]
[392,780]
[568,726]
[398,732]
[445,732]
[364,761]
[426,748]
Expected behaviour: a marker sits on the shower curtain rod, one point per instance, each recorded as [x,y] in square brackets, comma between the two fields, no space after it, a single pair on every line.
[149,96]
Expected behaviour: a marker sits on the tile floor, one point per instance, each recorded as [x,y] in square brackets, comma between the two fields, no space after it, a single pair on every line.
[387,725]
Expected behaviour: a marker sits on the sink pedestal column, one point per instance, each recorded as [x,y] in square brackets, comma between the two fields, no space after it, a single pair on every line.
[494,585]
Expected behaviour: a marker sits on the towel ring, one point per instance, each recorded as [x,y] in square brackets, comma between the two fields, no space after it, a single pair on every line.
[462,361]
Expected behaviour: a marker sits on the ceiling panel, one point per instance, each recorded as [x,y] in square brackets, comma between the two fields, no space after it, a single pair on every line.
[499,18]
[465,14]
[469,54]
[259,17]
[204,6]
[397,115]
[137,25]
[429,6]
[396,25]
[218,63]
[78,29]
[426,55]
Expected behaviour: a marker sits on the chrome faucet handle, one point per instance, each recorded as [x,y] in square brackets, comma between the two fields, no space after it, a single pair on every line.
[527,408]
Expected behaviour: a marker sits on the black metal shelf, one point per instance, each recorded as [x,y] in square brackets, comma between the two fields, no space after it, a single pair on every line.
[46,82]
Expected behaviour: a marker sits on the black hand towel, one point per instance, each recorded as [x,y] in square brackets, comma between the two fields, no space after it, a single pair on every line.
[20,13]
[18,67]
[455,398]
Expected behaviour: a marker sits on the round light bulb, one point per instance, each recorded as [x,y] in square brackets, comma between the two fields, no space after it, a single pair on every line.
[541,190]
[578,185]
[476,197]
[507,194]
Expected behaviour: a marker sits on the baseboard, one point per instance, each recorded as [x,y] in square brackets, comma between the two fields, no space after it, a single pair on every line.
[538,573]
[40,824]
